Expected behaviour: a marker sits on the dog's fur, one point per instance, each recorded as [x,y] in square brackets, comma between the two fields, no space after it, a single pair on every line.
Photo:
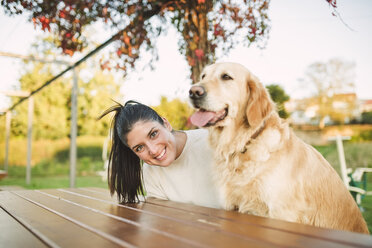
[261,167]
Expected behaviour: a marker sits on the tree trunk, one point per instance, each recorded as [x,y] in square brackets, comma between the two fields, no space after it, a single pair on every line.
[198,48]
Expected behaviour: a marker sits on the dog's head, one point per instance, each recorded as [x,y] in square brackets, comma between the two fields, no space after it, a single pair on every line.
[226,93]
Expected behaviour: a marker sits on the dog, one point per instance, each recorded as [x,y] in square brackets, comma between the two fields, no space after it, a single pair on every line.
[261,166]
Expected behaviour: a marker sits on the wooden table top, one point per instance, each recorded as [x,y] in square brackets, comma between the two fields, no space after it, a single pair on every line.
[89,217]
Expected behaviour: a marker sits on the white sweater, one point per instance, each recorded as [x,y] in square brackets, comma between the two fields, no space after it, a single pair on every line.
[189,178]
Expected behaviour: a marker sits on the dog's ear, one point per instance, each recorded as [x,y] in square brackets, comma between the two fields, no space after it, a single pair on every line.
[259,102]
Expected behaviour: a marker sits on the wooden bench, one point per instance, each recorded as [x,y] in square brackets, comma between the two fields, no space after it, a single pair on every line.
[89,217]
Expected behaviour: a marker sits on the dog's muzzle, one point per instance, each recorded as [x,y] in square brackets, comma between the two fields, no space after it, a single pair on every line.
[196,94]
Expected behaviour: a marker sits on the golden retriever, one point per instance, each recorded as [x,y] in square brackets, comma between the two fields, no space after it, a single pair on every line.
[261,167]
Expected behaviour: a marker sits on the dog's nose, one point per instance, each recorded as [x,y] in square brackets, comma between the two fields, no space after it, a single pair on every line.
[196,92]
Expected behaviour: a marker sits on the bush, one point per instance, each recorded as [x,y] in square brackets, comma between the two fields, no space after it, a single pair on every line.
[365,135]
[366,118]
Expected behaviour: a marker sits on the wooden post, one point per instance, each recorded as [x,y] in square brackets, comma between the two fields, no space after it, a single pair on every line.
[29,138]
[73,152]
[29,131]
[7,136]
[341,157]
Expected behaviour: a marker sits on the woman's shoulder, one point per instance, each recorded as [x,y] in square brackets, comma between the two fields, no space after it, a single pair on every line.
[197,133]
[198,139]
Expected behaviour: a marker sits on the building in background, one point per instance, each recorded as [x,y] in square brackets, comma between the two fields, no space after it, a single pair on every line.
[343,108]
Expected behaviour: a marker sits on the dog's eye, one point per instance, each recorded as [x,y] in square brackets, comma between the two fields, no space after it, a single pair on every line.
[203,76]
[226,77]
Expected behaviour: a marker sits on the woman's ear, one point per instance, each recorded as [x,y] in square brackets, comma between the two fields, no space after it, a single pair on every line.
[167,124]
[259,102]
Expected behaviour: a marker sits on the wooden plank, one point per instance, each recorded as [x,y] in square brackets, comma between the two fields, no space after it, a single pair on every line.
[11,231]
[197,222]
[342,237]
[345,237]
[103,193]
[176,233]
[97,189]
[52,229]
[131,232]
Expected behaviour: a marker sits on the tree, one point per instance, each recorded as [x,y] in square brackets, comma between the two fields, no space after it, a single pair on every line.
[52,110]
[95,96]
[175,111]
[204,25]
[279,96]
[366,118]
[331,79]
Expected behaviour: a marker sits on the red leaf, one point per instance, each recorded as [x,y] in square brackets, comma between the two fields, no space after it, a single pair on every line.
[191,61]
[62,14]
[218,31]
[119,52]
[199,53]
[104,11]
[69,52]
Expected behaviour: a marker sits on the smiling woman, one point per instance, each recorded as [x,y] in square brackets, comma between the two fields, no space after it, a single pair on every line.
[157,146]
[176,164]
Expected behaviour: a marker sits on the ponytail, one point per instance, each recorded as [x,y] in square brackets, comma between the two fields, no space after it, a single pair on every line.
[124,172]
[124,169]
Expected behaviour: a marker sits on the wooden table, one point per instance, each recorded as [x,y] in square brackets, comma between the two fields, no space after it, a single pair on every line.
[89,217]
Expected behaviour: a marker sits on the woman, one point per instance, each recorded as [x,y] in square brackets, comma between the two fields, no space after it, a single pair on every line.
[177,164]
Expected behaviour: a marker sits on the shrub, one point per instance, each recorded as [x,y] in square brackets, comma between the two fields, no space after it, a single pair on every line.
[365,135]
[366,118]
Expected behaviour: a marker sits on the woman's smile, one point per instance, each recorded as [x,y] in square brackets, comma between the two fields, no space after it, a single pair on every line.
[161,156]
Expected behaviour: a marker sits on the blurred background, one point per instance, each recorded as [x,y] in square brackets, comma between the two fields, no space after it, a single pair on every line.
[314,57]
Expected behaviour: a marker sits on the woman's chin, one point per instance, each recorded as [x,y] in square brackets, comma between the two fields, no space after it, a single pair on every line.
[164,164]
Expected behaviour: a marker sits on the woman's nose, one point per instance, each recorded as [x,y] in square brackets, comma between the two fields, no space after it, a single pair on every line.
[152,148]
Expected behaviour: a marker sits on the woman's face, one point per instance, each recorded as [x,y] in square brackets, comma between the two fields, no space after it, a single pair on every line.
[153,142]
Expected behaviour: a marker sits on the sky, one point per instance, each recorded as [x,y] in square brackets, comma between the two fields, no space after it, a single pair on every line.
[302,32]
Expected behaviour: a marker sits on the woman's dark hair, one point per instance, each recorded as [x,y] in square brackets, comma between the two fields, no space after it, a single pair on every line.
[125,170]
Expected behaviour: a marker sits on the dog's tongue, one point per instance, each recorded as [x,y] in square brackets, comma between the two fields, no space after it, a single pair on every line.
[201,118]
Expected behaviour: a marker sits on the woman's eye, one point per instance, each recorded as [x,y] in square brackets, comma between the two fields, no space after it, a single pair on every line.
[139,148]
[153,134]
[226,77]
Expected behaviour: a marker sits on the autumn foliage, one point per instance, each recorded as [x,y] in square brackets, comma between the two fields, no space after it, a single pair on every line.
[204,25]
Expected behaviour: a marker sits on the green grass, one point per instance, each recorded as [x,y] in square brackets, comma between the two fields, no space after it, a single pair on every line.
[51,164]
[85,166]
[356,154]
